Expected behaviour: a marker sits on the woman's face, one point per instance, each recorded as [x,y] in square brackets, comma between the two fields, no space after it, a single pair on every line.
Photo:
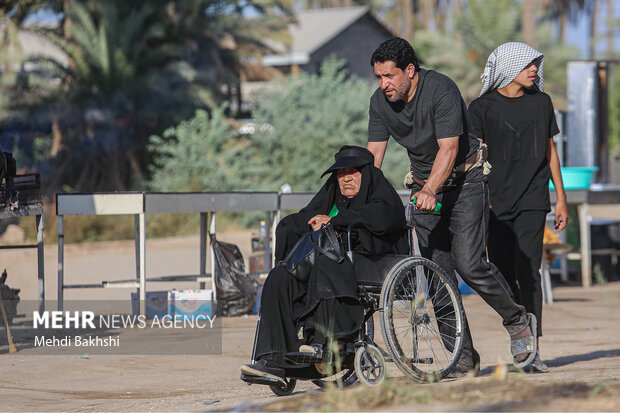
[349,181]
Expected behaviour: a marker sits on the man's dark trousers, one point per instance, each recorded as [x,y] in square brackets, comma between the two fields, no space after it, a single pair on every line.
[456,239]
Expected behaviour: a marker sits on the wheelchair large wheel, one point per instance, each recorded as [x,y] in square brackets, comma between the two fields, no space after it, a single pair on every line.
[422,320]
[346,377]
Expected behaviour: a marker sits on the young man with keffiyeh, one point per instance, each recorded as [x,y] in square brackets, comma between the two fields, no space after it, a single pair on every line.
[423,111]
[515,118]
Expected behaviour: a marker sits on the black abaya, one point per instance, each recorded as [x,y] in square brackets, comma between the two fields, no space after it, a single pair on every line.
[328,304]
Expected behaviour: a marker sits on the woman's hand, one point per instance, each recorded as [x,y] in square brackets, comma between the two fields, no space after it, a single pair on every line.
[318,220]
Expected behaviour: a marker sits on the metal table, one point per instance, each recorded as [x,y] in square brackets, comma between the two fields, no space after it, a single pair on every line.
[598,194]
[139,204]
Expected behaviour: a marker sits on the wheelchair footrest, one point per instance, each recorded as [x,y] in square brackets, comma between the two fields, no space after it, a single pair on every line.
[304,358]
[259,380]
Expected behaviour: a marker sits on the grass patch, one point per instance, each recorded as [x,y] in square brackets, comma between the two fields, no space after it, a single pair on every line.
[516,393]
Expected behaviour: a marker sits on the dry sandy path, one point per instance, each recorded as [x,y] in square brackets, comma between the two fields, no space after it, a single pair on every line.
[581,344]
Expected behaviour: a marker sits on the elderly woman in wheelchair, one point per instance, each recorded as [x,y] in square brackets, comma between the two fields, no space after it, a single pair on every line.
[321,328]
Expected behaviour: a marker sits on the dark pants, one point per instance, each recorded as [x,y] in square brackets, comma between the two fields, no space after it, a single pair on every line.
[456,240]
[516,248]
[282,303]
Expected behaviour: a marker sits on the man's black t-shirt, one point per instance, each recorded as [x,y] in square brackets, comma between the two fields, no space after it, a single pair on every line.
[517,131]
[436,111]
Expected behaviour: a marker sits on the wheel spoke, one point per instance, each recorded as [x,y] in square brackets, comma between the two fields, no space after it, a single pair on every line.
[423,319]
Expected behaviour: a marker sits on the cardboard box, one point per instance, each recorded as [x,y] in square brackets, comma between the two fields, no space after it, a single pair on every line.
[156,304]
[190,303]
[177,303]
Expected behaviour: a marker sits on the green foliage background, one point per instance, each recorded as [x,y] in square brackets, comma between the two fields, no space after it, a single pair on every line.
[152,91]
[301,123]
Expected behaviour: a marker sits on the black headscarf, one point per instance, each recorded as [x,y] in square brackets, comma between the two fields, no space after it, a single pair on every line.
[377,207]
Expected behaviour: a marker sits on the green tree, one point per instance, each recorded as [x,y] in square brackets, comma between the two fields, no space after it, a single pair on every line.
[304,120]
[301,122]
[118,88]
[199,154]
[135,69]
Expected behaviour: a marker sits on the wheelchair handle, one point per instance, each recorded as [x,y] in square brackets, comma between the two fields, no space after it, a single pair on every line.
[434,211]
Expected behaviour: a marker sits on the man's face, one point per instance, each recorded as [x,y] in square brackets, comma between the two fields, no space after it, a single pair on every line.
[349,181]
[394,82]
[527,76]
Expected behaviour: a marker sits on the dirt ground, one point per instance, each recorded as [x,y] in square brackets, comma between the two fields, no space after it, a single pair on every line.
[580,346]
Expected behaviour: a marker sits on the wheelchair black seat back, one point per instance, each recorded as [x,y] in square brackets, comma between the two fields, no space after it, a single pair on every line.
[421,322]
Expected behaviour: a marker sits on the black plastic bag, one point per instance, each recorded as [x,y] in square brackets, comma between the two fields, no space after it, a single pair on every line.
[235,290]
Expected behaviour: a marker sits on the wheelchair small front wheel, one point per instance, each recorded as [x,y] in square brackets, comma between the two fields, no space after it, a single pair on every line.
[369,365]
[284,390]
[346,377]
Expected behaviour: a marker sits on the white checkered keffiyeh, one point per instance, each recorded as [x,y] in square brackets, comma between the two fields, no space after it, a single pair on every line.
[506,62]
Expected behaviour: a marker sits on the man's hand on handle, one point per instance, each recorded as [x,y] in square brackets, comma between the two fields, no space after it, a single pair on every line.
[425,200]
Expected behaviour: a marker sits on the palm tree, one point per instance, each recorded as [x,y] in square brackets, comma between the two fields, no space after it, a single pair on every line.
[219,39]
[111,92]
[136,68]
[461,52]
[563,11]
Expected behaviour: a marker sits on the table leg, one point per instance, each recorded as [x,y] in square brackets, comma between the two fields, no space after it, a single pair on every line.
[586,253]
[41,260]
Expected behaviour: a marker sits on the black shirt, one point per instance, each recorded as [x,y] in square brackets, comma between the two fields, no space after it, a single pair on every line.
[436,111]
[517,131]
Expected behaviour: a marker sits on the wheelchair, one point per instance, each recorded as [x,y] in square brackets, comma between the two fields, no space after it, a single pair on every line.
[421,321]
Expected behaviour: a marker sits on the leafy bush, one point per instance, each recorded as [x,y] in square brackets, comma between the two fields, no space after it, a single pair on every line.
[302,121]
[199,154]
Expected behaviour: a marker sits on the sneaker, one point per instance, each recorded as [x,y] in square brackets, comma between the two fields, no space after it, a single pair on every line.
[260,369]
[537,365]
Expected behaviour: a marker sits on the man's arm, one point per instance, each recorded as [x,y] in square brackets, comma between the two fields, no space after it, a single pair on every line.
[561,208]
[442,167]
[378,150]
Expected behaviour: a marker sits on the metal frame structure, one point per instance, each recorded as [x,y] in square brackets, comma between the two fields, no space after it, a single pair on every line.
[207,204]
[139,204]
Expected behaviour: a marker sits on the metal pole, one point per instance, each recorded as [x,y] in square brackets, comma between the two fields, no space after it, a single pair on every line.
[136,236]
[212,254]
[584,234]
[142,262]
[203,247]
[61,261]
[40,219]
[267,241]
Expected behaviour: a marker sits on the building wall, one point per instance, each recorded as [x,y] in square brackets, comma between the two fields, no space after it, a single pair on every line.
[355,44]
